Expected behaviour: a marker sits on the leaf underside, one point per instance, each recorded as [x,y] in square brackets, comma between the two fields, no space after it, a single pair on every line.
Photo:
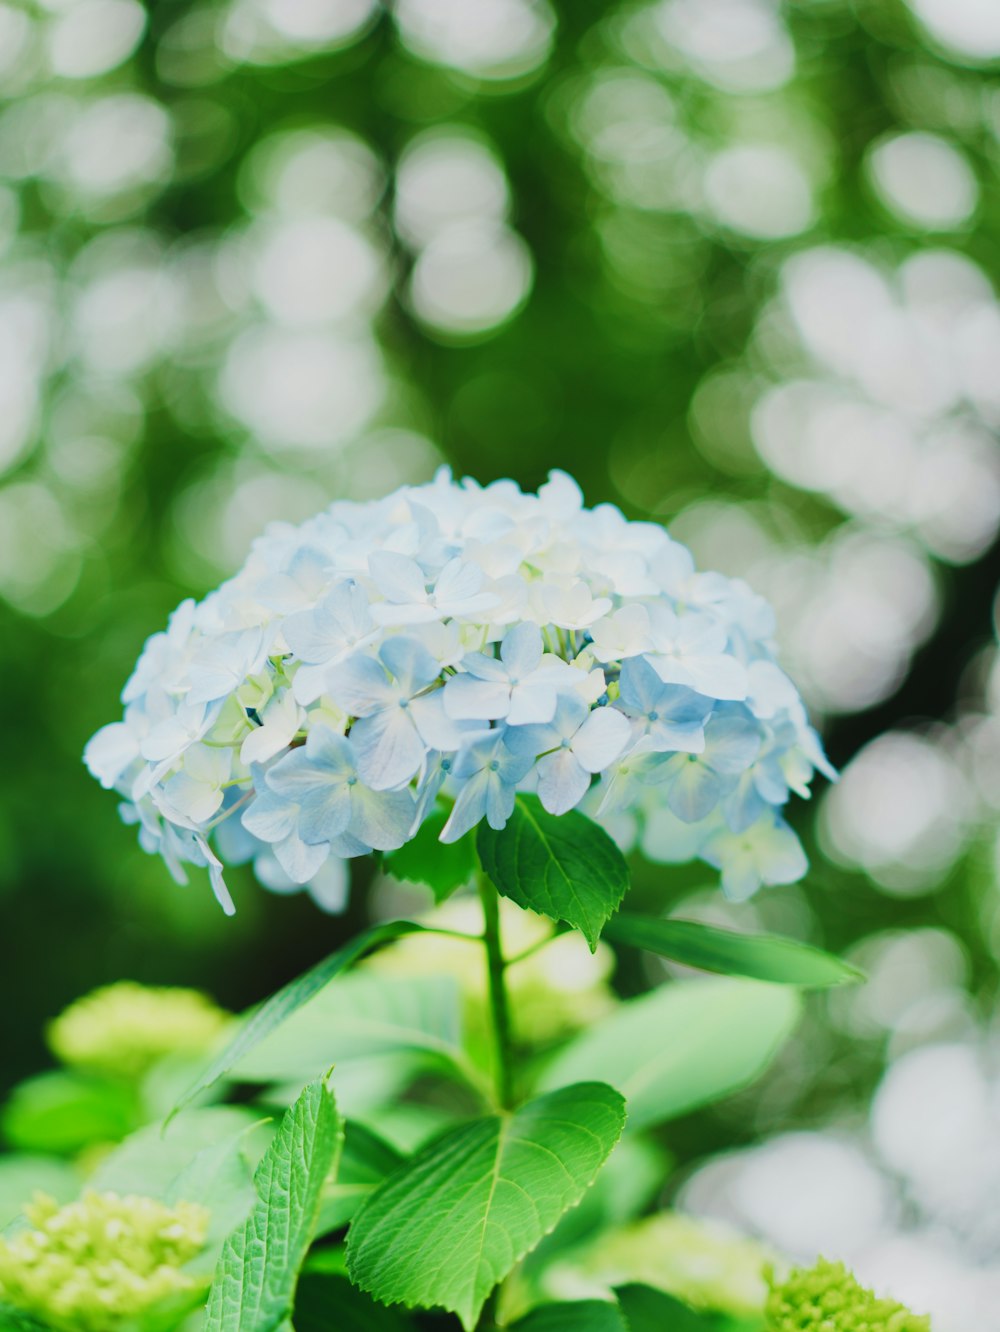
[255,1280]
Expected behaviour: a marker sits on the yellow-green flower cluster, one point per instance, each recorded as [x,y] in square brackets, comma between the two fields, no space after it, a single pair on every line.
[91,1264]
[827,1298]
[123,1029]
[704,1264]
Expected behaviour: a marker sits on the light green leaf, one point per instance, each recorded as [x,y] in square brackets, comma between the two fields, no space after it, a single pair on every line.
[365,1162]
[61,1112]
[565,867]
[254,1286]
[442,866]
[281,1005]
[360,1017]
[21,1176]
[327,1302]
[149,1160]
[455,1220]
[766,957]
[220,1179]
[579,1316]
[681,1046]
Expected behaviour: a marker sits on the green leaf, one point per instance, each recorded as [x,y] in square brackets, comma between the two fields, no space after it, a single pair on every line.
[61,1112]
[365,1162]
[220,1179]
[681,1046]
[649,1310]
[442,866]
[21,1176]
[455,1220]
[12,1320]
[361,1016]
[579,1316]
[328,1302]
[150,1160]
[281,1005]
[766,957]
[254,1286]
[565,867]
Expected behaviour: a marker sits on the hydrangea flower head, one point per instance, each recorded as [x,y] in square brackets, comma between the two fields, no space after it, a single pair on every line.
[827,1298]
[123,1029]
[447,647]
[93,1264]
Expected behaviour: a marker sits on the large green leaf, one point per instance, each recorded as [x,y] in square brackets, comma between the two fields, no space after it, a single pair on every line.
[447,1227]
[254,1286]
[565,867]
[150,1160]
[578,1316]
[360,1016]
[281,1005]
[681,1046]
[365,1162]
[442,866]
[765,957]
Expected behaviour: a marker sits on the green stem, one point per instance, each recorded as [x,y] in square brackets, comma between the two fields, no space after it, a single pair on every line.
[499,1009]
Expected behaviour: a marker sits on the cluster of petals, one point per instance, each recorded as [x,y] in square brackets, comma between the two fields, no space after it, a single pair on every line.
[443,649]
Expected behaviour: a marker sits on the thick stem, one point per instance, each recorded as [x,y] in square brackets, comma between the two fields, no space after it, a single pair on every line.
[499,1009]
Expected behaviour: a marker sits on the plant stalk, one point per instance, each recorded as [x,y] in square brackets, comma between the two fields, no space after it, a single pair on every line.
[499,1007]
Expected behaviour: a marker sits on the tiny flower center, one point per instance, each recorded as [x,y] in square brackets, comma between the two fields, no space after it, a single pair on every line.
[495,766]
[653,716]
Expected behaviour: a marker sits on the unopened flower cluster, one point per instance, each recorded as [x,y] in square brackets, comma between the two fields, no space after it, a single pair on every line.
[92,1264]
[828,1298]
[447,647]
[124,1028]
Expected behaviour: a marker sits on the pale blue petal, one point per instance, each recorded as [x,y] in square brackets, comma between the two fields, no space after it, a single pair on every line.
[383,819]
[521,649]
[602,737]
[388,749]
[325,813]
[695,791]
[410,663]
[397,577]
[562,781]
[300,860]
[270,817]
[468,809]
[360,685]
[470,699]
[499,801]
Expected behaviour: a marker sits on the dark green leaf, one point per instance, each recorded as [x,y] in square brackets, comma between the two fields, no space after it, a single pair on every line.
[12,1320]
[455,1220]
[442,866]
[565,867]
[763,956]
[365,1162]
[255,1281]
[579,1316]
[682,1045]
[281,1005]
[329,1303]
[649,1310]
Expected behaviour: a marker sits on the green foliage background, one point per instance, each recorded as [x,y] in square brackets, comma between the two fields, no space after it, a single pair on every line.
[634,306]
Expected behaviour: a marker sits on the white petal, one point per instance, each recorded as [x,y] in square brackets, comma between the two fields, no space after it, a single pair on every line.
[469,699]
[389,750]
[398,578]
[382,819]
[601,738]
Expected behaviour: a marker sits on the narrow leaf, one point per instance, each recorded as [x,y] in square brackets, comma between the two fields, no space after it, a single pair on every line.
[442,866]
[456,1219]
[273,1011]
[681,1046]
[579,1316]
[565,867]
[255,1280]
[765,957]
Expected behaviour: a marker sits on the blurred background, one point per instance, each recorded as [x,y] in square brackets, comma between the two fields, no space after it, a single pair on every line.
[733,264]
